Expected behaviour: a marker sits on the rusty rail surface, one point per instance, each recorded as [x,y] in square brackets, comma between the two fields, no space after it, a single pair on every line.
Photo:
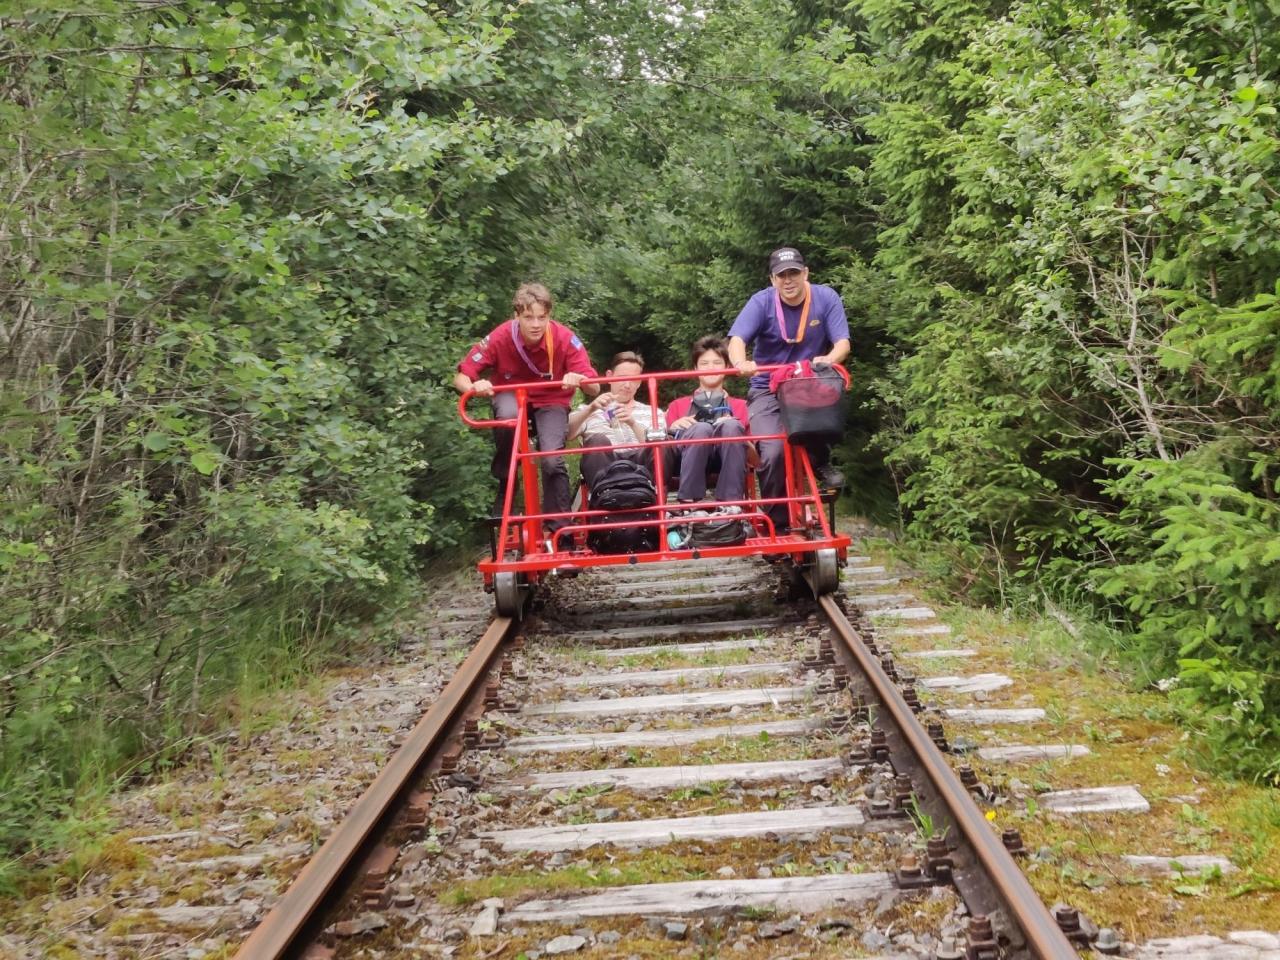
[289,927]
[278,934]
[1044,937]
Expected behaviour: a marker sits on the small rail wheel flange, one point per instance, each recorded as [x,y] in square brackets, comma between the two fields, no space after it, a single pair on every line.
[508,594]
[825,575]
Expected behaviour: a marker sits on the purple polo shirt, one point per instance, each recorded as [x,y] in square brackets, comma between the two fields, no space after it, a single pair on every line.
[758,328]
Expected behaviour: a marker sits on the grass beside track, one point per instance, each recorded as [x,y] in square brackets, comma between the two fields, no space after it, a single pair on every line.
[1092,695]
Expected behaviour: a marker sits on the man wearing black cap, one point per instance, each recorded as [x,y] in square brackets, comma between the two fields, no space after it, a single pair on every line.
[790,320]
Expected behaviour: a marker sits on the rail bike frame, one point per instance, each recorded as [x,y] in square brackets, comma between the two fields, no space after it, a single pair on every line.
[523,554]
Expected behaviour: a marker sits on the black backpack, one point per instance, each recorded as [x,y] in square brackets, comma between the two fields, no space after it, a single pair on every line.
[624,485]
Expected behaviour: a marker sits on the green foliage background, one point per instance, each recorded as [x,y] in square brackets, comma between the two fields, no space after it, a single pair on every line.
[244,245]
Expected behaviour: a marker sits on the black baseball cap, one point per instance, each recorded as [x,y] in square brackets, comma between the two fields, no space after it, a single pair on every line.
[785,258]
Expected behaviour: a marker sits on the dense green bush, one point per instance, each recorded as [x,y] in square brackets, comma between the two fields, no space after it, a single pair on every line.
[242,247]
[1080,213]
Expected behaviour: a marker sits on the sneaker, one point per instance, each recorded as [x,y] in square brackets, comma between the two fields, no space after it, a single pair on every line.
[829,477]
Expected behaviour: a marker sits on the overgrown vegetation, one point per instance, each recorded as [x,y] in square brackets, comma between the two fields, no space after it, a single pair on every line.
[243,245]
[1078,214]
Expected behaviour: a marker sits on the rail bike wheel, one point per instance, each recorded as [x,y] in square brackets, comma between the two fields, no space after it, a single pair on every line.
[824,571]
[509,594]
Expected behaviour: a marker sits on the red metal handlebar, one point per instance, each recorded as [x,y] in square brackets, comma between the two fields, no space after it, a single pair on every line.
[667,375]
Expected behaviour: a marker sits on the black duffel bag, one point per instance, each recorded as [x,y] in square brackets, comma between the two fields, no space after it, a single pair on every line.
[728,530]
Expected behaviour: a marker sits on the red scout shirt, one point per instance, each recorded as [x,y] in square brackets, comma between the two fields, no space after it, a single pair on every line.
[680,407]
[498,352]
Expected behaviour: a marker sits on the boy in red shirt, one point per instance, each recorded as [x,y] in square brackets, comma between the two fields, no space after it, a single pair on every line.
[710,412]
[533,349]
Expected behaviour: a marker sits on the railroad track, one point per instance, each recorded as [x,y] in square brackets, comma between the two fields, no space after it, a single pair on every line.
[650,725]
[633,670]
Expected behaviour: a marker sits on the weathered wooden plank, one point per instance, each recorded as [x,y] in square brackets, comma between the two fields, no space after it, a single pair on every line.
[1123,799]
[1238,945]
[670,585]
[609,615]
[664,568]
[244,861]
[666,600]
[669,778]
[903,613]
[695,676]
[666,702]
[994,715]
[718,628]
[936,654]
[856,561]
[685,649]
[881,599]
[659,573]
[858,570]
[1190,864]
[562,743]
[877,582]
[211,918]
[1031,753]
[697,897]
[978,683]
[652,833]
[185,836]
[927,630]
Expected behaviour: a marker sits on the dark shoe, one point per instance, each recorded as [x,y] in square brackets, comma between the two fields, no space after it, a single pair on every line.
[829,478]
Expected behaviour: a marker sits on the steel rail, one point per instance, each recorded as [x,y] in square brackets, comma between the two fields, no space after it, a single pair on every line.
[1043,934]
[277,935]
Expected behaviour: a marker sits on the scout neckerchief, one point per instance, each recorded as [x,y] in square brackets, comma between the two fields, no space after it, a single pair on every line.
[548,342]
[804,315]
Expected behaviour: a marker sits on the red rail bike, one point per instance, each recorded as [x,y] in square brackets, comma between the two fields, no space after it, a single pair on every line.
[523,554]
